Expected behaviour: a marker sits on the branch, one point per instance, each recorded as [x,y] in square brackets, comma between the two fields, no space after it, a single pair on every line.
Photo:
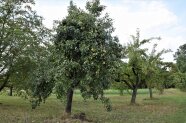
[128,84]
[133,70]
[129,78]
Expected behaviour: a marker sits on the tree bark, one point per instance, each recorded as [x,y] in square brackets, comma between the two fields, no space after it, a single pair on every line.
[11,91]
[134,93]
[69,101]
[150,92]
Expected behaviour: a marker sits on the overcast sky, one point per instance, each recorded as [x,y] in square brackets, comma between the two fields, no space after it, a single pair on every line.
[164,18]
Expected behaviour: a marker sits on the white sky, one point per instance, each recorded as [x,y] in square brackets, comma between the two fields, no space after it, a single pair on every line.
[153,17]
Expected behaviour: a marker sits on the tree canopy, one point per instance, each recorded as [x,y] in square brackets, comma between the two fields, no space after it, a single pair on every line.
[85,54]
[21,35]
[141,68]
[180,57]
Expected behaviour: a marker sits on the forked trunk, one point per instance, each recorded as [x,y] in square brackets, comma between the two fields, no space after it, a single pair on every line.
[69,101]
[134,93]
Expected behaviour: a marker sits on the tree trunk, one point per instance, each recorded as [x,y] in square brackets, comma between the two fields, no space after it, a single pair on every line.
[134,93]
[4,82]
[69,101]
[11,91]
[121,92]
[150,92]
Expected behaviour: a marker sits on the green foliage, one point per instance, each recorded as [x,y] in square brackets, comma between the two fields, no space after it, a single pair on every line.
[133,71]
[21,35]
[180,57]
[23,94]
[155,74]
[95,8]
[180,77]
[85,54]
[142,68]
[121,86]
[107,103]
[180,80]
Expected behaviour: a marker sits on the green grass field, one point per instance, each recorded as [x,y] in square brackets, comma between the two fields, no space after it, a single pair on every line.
[167,108]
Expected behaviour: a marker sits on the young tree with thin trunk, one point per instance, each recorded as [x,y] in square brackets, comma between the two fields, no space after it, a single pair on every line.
[151,69]
[132,72]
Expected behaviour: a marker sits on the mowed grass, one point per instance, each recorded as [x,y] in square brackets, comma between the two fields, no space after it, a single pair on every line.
[167,108]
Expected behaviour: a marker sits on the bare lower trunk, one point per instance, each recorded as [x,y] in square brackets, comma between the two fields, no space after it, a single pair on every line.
[121,92]
[69,101]
[134,93]
[150,92]
[11,91]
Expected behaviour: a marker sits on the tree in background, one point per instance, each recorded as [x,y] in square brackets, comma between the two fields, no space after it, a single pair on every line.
[121,86]
[180,57]
[21,33]
[180,80]
[132,73]
[151,69]
[85,55]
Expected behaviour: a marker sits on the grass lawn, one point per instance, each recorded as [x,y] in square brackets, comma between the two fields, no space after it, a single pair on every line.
[167,108]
